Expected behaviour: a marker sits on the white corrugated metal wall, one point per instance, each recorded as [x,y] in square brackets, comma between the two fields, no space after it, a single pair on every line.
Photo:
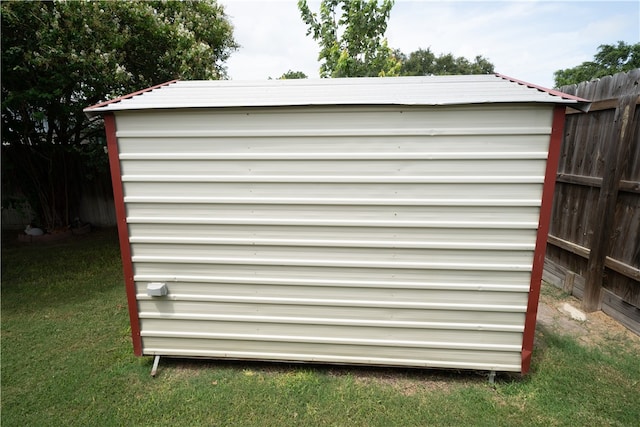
[376,235]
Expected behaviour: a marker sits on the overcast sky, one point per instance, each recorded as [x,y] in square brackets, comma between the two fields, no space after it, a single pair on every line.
[525,39]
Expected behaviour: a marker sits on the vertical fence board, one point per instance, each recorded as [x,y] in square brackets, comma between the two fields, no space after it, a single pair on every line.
[602,224]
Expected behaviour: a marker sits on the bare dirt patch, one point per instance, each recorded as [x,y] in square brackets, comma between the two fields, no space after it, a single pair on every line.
[598,330]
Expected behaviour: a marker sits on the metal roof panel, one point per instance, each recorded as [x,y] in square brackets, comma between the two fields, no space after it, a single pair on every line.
[419,91]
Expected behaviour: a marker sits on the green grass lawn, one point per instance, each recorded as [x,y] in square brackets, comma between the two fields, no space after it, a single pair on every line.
[67,361]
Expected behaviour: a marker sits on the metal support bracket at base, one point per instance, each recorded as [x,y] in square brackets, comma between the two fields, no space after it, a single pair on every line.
[154,369]
[492,377]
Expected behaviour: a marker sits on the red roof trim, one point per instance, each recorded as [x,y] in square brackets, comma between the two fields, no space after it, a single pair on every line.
[131,95]
[543,89]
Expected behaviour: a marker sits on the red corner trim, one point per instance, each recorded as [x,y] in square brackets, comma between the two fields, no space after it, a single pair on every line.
[543,89]
[123,231]
[131,95]
[557,131]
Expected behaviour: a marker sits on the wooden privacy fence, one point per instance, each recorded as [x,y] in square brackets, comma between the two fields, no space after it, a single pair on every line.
[593,249]
[94,206]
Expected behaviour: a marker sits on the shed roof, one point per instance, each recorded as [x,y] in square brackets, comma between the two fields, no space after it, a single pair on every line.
[422,90]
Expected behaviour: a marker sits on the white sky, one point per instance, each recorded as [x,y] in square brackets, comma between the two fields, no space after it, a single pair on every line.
[525,39]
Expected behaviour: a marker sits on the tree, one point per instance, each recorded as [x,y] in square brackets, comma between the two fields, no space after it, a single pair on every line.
[609,59]
[423,62]
[292,75]
[60,57]
[351,37]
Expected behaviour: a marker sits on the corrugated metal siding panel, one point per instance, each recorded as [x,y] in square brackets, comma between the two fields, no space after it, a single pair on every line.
[367,235]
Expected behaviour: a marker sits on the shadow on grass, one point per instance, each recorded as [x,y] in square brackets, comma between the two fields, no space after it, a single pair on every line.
[39,276]
[382,375]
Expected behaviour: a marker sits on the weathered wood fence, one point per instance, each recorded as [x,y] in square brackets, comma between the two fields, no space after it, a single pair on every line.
[95,207]
[593,249]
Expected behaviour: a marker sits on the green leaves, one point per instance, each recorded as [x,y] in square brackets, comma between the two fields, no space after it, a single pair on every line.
[292,75]
[351,37]
[60,57]
[610,59]
[352,44]
[423,62]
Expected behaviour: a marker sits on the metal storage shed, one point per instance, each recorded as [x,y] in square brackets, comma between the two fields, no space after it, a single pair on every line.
[380,221]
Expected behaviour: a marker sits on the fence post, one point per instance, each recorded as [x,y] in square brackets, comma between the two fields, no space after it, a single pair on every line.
[615,163]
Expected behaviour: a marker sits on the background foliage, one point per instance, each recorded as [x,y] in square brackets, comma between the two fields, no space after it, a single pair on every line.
[350,34]
[293,75]
[423,62]
[60,57]
[609,60]
[351,37]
